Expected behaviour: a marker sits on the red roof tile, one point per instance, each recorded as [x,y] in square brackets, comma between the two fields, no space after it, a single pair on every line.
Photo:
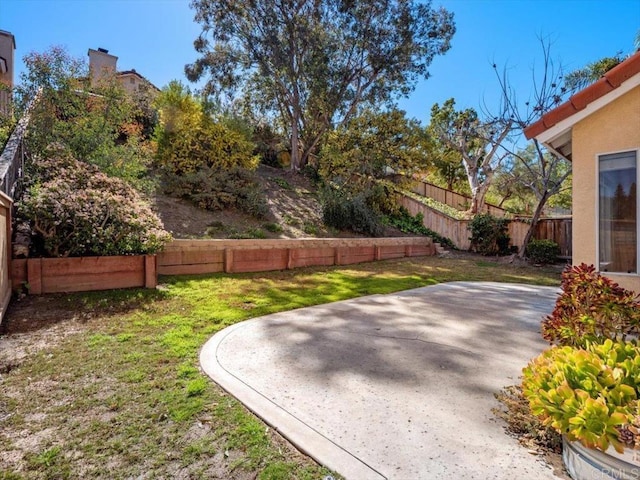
[610,81]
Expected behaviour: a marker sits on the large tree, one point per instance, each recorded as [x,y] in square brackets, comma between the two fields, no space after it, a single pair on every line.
[313,63]
[477,141]
[371,146]
[546,172]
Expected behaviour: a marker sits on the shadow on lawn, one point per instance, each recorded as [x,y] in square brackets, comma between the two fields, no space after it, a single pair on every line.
[30,313]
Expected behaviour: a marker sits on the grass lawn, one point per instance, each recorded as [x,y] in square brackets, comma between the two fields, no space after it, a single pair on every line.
[107,384]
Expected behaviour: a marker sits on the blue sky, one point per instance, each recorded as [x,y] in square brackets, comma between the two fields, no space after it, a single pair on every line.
[156,38]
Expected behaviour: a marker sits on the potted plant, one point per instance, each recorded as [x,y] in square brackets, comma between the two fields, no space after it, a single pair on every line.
[587,387]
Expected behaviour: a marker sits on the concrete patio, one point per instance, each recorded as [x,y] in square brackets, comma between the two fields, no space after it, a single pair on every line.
[396,386]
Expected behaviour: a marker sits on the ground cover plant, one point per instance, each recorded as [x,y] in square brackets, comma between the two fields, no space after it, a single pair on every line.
[107,384]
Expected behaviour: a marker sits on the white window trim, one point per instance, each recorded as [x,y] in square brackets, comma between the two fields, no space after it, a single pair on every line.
[597,212]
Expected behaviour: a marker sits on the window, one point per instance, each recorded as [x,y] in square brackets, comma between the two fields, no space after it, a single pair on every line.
[618,212]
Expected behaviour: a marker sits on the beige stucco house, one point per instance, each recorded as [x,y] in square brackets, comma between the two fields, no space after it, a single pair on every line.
[102,65]
[598,129]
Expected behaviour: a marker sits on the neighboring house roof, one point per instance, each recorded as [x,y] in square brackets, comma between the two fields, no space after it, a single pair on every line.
[554,128]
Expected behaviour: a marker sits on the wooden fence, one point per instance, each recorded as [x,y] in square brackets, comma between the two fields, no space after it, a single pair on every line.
[5,253]
[453,199]
[185,257]
[558,230]
[79,274]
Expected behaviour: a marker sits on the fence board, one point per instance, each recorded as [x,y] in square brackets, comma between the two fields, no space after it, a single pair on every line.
[307,257]
[260,260]
[453,199]
[351,255]
[558,230]
[391,251]
[195,269]
[79,274]
[83,282]
[5,254]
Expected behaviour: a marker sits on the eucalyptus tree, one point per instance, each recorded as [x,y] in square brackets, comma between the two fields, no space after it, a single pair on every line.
[312,64]
[478,142]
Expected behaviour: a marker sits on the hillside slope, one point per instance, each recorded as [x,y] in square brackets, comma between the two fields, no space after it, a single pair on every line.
[294,212]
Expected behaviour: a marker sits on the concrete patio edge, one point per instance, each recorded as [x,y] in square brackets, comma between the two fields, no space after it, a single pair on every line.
[303,436]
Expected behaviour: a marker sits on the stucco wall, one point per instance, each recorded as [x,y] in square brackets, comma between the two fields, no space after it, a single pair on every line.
[130,82]
[613,128]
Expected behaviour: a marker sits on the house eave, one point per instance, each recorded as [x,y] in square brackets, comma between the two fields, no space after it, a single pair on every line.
[558,137]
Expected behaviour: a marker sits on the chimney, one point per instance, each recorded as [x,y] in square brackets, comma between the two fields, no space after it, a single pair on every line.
[101,64]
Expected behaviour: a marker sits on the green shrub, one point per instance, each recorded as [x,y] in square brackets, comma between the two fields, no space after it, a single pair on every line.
[7,124]
[489,234]
[207,144]
[188,138]
[543,251]
[345,213]
[310,228]
[256,233]
[214,189]
[591,308]
[404,222]
[76,210]
[588,394]
[272,227]
[282,183]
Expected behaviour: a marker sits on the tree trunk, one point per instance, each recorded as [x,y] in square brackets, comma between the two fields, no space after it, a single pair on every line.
[472,178]
[534,224]
[295,146]
[478,193]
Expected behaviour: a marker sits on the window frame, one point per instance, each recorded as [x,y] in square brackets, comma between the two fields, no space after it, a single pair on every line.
[636,151]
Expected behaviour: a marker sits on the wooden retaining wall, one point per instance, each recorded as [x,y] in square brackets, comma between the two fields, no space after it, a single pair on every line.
[186,257]
[79,274]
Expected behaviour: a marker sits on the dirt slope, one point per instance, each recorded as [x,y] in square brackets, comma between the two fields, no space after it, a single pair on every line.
[294,212]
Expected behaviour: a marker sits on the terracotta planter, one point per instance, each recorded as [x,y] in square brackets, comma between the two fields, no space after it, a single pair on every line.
[584,463]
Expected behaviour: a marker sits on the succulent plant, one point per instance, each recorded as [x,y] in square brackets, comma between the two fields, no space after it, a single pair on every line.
[591,308]
[588,394]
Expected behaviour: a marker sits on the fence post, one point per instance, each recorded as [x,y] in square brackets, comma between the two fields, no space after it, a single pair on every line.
[289,259]
[228,260]
[336,256]
[34,275]
[150,271]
